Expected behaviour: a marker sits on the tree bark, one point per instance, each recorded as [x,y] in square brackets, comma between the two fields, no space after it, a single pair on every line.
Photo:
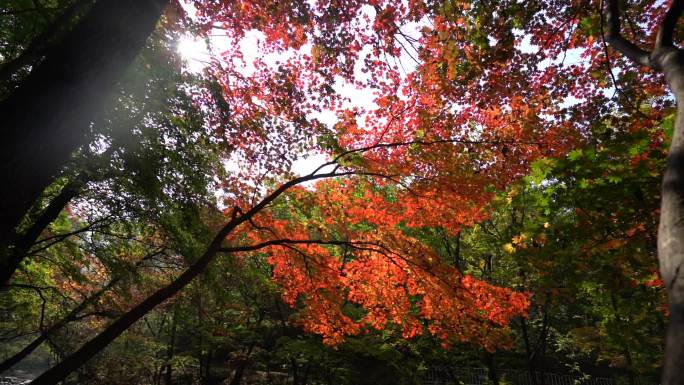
[528,350]
[242,365]
[490,360]
[49,115]
[671,249]
[670,60]
[170,349]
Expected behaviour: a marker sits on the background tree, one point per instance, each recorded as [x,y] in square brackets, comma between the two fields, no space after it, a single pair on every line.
[47,115]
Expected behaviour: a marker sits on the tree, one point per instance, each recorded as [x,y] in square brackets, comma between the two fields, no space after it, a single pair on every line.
[497,305]
[580,233]
[47,117]
[468,118]
[241,216]
[474,78]
[666,58]
[155,164]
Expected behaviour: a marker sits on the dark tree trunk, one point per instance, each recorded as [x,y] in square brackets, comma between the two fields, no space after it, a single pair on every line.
[170,349]
[491,368]
[295,373]
[242,364]
[239,372]
[40,44]
[528,350]
[305,378]
[49,115]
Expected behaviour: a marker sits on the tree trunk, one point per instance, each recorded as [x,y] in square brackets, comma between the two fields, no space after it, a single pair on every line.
[170,349]
[295,373]
[239,372]
[529,353]
[491,368]
[305,378]
[671,238]
[49,115]
[242,364]
[668,59]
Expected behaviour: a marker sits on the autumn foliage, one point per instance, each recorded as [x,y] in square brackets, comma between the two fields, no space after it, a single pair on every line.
[441,137]
[461,109]
[508,128]
[376,266]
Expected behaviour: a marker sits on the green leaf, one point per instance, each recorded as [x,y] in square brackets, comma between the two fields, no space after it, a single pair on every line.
[667,125]
[575,154]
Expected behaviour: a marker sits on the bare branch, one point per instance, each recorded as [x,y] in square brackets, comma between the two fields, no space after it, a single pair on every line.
[287,241]
[51,240]
[376,146]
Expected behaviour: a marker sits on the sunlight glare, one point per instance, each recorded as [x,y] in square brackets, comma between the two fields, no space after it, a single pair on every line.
[194,51]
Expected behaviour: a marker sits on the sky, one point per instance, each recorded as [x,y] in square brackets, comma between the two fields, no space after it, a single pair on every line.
[197,54]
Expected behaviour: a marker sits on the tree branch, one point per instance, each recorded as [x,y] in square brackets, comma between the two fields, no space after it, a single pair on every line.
[664,38]
[346,153]
[287,241]
[619,42]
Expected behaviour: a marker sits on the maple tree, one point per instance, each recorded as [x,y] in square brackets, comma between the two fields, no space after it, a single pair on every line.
[461,109]
[460,211]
